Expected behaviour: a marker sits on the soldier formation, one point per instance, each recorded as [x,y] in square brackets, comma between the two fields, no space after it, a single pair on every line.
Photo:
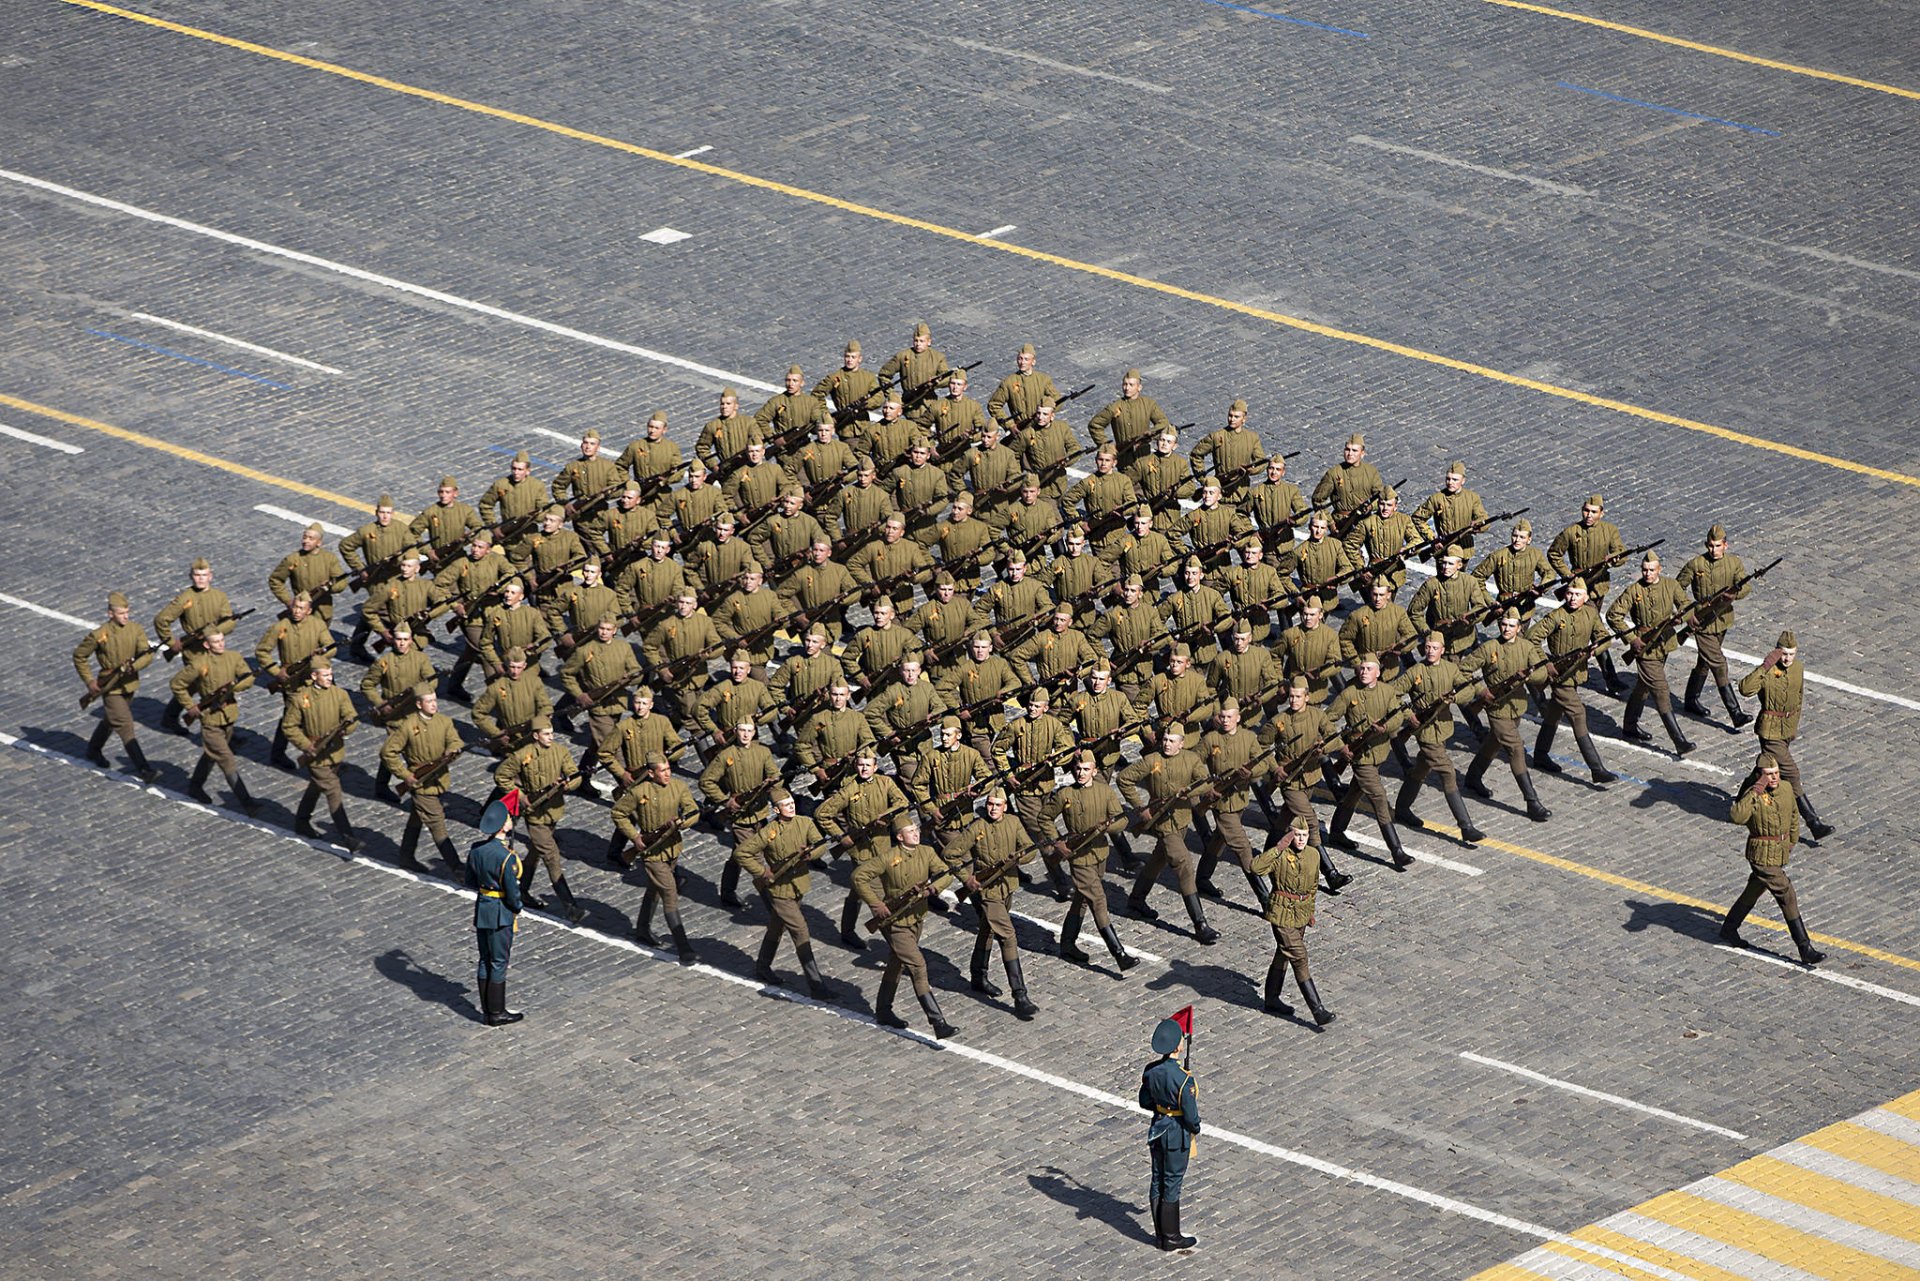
[877,621]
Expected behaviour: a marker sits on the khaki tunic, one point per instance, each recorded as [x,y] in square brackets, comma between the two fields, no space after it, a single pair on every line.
[1133,425]
[782,841]
[859,814]
[318,573]
[1514,572]
[1442,516]
[625,751]
[1577,549]
[196,611]
[1348,487]
[1016,401]
[444,527]
[723,441]
[508,706]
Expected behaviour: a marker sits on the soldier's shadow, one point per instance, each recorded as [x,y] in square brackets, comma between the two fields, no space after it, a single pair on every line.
[1694,922]
[1091,1203]
[396,965]
[1221,982]
[1703,799]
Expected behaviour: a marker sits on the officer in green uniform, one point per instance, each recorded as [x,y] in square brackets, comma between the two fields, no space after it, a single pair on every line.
[1507,665]
[493,873]
[858,819]
[897,886]
[505,713]
[1582,549]
[585,486]
[1167,1090]
[1779,683]
[1765,807]
[317,722]
[1290,912]
[1234,452]
[779,857]
[120,650]
[1434,687]
[920,368]
[313,570]
[1351,485]
[1448,513]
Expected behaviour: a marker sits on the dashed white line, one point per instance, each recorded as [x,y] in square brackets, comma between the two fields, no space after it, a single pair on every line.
[255,348]
[1604,1097]
[555,435]
[1053,928]
[666,236]
[997,231]
[1420,855]
[45,442]
[1557,188]
[697,151]
[1145,86]
[43,611]
[268,509]
[1844,980]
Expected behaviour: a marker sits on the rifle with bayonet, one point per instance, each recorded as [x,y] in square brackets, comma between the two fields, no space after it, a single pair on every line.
[914,397]
[117,672]
[328,741]
[1233,475]
[176,647]
[1696,612]
[1343,525]
[654,838]
[1031,421]
[295,674]
[217,696]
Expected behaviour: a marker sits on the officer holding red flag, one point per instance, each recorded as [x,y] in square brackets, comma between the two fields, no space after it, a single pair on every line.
[1167,1090]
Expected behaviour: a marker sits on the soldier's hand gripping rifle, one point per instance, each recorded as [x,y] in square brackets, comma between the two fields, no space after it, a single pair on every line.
[173,648]
[432,769]
[1028,422]
[1698,612]
[589,503]
[328,741]
[215,697]
[903,899]
[859,833]
[655,838]
[1153,811]
[913,398]
[119,671]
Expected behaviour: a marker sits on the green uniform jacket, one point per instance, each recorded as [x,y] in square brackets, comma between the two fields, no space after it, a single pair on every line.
[506,628]
[1295,732]
[1313,653]
[1226,753]
[1640,606]
[417,742]
[1441,601]
[374,544]
[1133,424]
[801,677]
[1567,631]
[901,869]
[534,769]
[1384,631]
[1444,514]
[393,673]
[1092,814]
[1296,882]
[110,645]
[777,843]
[598,664]
[1514,571]
[983,847]
[873,657]
[1707,578]
[1162,480]
[287,643]
[634,739]
[508,705]
[1055,653]
[1098,717]
[741,773]
[508,499]
[1357,708]
[948,778]
[729,702]
[901,713]
[1232,450]
[723,441]
[204,673]
[1024,745]
[309,572]
[1321,560]
[647,809]
[1578,548]
[196,611]
[1348,487]
[855,391]
[1772,821]
[1380,537]
[1015,401]
[1780,690]
[314,713]
[1499,661]
[1428,686]
[829,739]
[744,614]
[918,372]
[1187,697]
[445,526]
[1158,777]
[675,638]
[861,812]
[583,478]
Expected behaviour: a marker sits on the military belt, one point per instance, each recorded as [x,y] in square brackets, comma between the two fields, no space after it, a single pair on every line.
[1166,1111]
[491,893]
[1291,897]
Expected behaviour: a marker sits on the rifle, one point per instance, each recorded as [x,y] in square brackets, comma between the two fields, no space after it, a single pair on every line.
[217,696]
[1235,474]
[1701,607]
[1344,525]
[1423,719]
[1438,543]
[394,708]
[1117,733]
[294,674]
[1147,814]
[884,586]
[326,742]
[776,872]
[358,579]
[586,502]
[643,619]
[416,622]
[1001,871]
[318,596]
[798,712]
[1238,776]
[669,672]
[600,693]
[118,671]
[1300,758]
[1014,486]
[866,831]
[567,780]
[541,582]
[233,616]
[1526,596]
[432,768]
[749,801]
[1496,691]
[464,610]
[808,616]
[653,838]
[511,529]
[1017,630]
[899,901]
[1030,422]
[915,397]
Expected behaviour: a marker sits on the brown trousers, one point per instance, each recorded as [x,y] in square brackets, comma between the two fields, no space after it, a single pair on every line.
[1089,891]
[1366,782]
[1503,735]
[1230,830]
[1566,704]
[541,840]
[1772,880]
[784,916]
[324,780]
[1432,759]
[216,745]
[1652,684]
[428,809]
[1298,803]
[1170,850]
[996,922]
[903,953]
[1712,657]
[659,872]
[118,711]
[1291,950]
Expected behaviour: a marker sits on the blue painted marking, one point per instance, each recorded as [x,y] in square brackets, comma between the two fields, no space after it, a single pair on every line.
[535,459]
[192,360]
[1281,17]
[1672,111]
[1581,764]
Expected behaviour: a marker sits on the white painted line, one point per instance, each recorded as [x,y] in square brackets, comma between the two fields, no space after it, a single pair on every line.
[1891,1124]
[1144,86]
[1129,1106]
[997,231]
[255,348]
[42,610]
[697,151]
[268,509]
[1571,1088]
[556,435]
[1621,743]
[1821,1161]
[1703,1252]
[1844,980]
[1053,928]
[1816,1223]
[1420,856]
[1557,188]
[666,236]
[45,442]
[390,282]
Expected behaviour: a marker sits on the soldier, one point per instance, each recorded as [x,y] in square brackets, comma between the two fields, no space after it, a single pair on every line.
[388,687]
[991,472]
[199,609]
[1450,603]
[1134,419]
[317,722]
[1290,912]
[800,685]
[407,599]
[551,553]
[1766,808]
[883,442]
[1377,541]
[504,714]
[920,369]
[736,783]
[630,526]
[790,414]
[1032,520]
[1254,589]
[512,624]
[958,420]
[719,562]
[855,392]
[1276,509]
[757,486]
[821,463]
[896,886]
[1584,548]
[964,542]
[748,617]
[584,486]
[1198,613]
[287,656]
[418,751]
[1211,529]
[857,819]
[1170,780]
[817,593]
[445,524]
[1016,400]
[779,859]
[1449,515]
[1129,630]
[543,772]
[120,649]
[943,624]
[575,609]
[493,872]
[678,647]
[207,688]
[858,510]
[1167,1090]
[1640,616]
[1301,736]
[900,715]
[780,542]
[1433,687]
[655,461]
[978,689]
[692,512]
[1102,497]
[651,817]
[1163,478]
[986,856]
[1017,604]
[1516,571]
[948,775]
[920,492]
[827,742]
[372,552]
[648,587]
[1056,656]
[313,570]
[891,566]
[1233,451]
[1379,627]
[641,733]
[1371,712]
[1247,672]
[1711,577]
[1321,564]
[510,502]
[1178,694]
[1046,449]
[723,439]
[1237,762]
[594,677]
[1779,683]
[1103,717]
[1569,636]
[1507,666]
[467,589]
[1351,486]
[872,657]
[1094,820]
[1312,649]
[1027,752]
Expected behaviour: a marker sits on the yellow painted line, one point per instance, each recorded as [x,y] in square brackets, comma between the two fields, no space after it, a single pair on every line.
[1671,896]
[1001,246]
[1714,49]
[1828,1195]
[182,451]
[1907,1105]
[1685,1265]
[1602,1262]
[1507,1272]
[1867,1147]
[1769,1240]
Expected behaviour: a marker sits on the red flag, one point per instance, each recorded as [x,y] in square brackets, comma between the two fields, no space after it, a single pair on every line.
[1184,1017]
[512,801]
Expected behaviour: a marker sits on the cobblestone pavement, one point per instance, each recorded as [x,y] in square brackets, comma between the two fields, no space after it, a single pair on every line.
[237,1052]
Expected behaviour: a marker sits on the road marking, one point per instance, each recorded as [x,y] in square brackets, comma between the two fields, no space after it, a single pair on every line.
[535,459]
[388,282]
[42,610]
[1841,1198]
[555,435]
[191,360]
[46,442]
[1844,980]
[302,361]
[1604,1097]
[1032,255]
[1420,855]
[1716,50]
[338,531]
[1054,927]
[1777,1207]
[1281,17]
[1557,188]
[697,151]
[1142,85]
[666,236]
[1912,705]
[999,231]
[1672,111]
[1130,1106]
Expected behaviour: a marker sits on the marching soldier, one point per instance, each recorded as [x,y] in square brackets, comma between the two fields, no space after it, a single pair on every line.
[313,570]
[945,780]
[550,555]
[1350,486]
[1028,752]
[1641,610]
[287,656]
[883,442]
[1779,683]
[1212,528]
[1180,693]
[1449,514]
[655,461]
[317,722]
[1507,666]
[1569,636]
[958,420]
[827,742]
[1379,539]
[466,589]
[1290,912]
[944,625]
[544,772]
[736,783]
[1091,812]
[964,542]
[1134,419]
[1056,656]
[749,616]
[594,677]
[648,587]
[510,502]
[207,688]
[1433,687]
[1236,761]
[678,647]
[1321,564]
[1198,613]
[1301,736]
[120,651]
[1169,781]
[651,817]
[1233,451]
[575,609]
[892,565]
[723,439]
[1711,576]
[801,684]
[1379,627]
[504,714]
[1582,549]
[977,689]
[407,599]
[1032,520]
[445,524]
[1311,649]
[1372,713]
[1099,498]
[757,487]
[1516,571]
[1247,672]
[512,624]
[991,476]
[779,859]
[1766,808]
[690,516]
[1045,450]
[857,818]
[632,523]
[641,733]
[721,561]
[858,510]
[388,687]
[896,886]
[1163,478]
[986,856]
[583,487]
[817,593]
[199,610]
[1167,1090]
[418,751]
[1450,603]
[873,656]
[1254,589]
[920,369]
[855,392]
[902,714]
[1277,509]
[1015,401]
[821,462]
[780,541]
[493,872]
[786,419]
[1103,717]
[1129,630]
[372,552]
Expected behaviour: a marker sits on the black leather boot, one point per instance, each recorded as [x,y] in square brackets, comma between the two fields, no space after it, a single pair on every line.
[303,815]
[97,744]
[1609,674]
[1023,1008]
[1159,1227]
[575,913]
[451,857]
[277,750]
[1681,743]
[941,1028]
[142,768]
[643,923]
[1468,832]
[1734,710]
[1810,956]
[1535,810]
[498,1014]
[1696,685]
[1123,850]
[1476,778]
[816,981]
[343,831]
[1630,727]
[1337,837]
[849,925]
[241,794]
[1202,932]
[1276,981]
[1542,746]
[763,963]
[1819,831]
[1321,1014]
[1121,957]
[170,720]
[680,944]
[1392,837]
[1203,876]
[1137,901]
[1591,755]
[1336,879]
[1170,1214]
[409,842]
[730,886]
[383,784]
[980,982]
[1070,933]
[1261,894]
[1730,927]
[883,1003]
